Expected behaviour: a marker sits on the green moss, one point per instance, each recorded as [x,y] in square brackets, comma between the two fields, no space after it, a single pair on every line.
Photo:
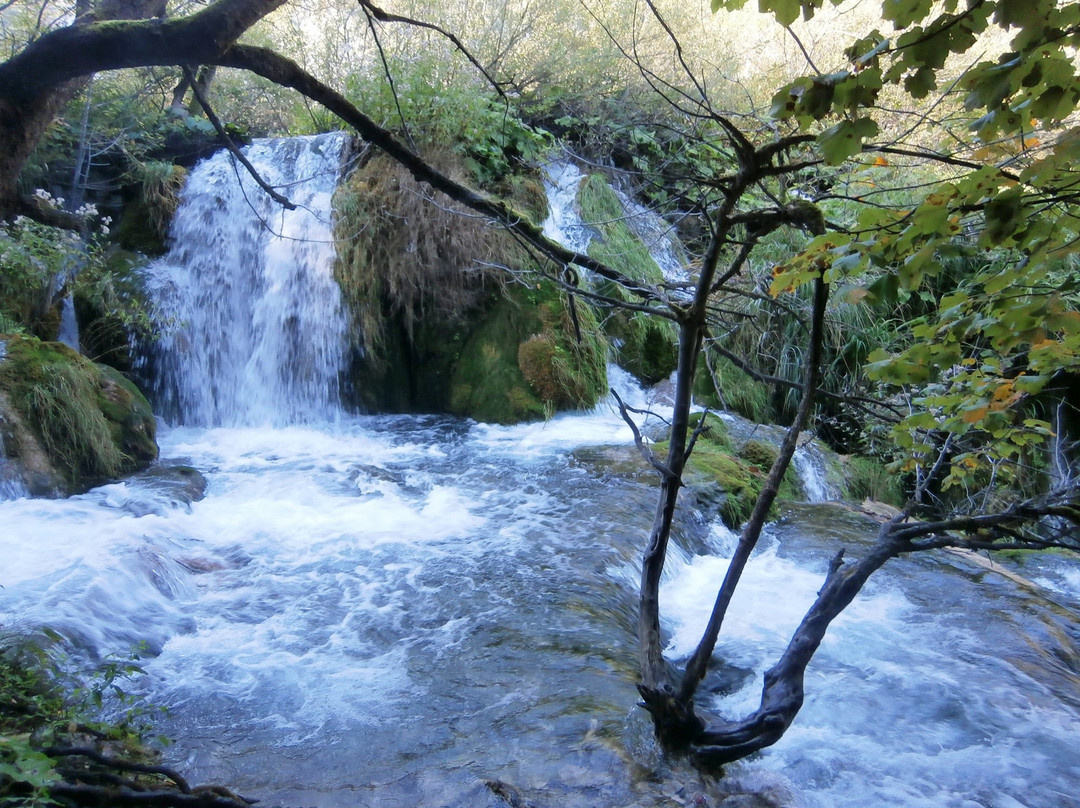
[715,433]
[868,478]
[434,333]
[647,346]
[91,421]
[758,453]
[488,383]
[131,421]
[729,479]
[526,194]
[526,362]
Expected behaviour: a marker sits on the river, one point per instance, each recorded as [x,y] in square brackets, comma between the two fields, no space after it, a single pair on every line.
[390,610]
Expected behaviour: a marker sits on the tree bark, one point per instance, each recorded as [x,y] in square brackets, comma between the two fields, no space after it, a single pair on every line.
[751,533]
[36,84]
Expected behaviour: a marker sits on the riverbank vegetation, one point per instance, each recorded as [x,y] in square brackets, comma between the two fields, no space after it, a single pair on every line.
[55,750]
[881,228]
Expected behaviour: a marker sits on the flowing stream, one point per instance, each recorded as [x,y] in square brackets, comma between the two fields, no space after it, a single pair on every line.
[386,611]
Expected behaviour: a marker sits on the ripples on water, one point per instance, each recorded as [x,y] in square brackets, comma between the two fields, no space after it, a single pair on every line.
[391,609]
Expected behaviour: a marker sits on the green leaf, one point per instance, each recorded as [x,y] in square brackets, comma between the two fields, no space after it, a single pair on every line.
[841,141]
[785,11]
[903,13]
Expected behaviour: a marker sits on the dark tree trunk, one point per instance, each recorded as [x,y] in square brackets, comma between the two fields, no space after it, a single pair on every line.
[36,84]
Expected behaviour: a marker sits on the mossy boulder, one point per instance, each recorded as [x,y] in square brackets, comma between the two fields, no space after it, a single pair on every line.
[646,346]
[528,359]
[435,332]
[726,478]
[70,423]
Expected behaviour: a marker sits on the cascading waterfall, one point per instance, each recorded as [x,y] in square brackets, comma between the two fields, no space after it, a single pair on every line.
[809,464]
[253,328]
[562,181]
[69,325]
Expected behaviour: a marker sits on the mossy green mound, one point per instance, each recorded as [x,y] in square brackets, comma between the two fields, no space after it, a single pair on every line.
[528,360]
[434,329]
[729,478]
[92,423]
[646,345]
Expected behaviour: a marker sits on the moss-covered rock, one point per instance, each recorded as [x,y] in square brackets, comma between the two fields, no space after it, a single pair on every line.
[727,478]
[72,423]
[529,360]
[646,345]
[434,333]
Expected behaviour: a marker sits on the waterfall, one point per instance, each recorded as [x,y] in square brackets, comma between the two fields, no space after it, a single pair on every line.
[658,235]
[562,181]
[251,318]
[69,325]
[810,466]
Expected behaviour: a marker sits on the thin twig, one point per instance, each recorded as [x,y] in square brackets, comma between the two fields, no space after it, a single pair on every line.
[239,155]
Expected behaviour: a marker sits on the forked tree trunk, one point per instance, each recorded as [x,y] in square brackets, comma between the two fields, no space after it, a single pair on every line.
[670,702]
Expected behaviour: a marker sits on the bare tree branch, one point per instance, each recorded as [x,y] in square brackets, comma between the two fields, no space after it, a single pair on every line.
[228,141]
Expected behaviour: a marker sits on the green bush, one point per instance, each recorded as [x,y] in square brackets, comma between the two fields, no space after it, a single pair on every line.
[869,478]
[92,422]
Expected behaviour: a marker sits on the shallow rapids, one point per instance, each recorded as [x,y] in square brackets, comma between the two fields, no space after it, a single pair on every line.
[387,611]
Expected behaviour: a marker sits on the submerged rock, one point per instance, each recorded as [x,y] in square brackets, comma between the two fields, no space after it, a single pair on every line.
[66,423]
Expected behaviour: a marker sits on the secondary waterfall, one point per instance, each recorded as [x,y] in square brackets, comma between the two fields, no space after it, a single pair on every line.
[253,329]
[387,611]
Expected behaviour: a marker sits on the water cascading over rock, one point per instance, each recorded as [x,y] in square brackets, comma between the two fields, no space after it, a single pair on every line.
[252,325]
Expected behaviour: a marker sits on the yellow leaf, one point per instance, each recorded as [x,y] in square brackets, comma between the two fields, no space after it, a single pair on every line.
[975,414]
[1003,391]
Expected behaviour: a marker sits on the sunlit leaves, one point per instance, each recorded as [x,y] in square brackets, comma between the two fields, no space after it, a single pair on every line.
[980,262]
[785,11]
[903,13]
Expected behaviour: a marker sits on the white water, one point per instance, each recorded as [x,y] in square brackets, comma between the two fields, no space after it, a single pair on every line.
[658,236]
[69,326]
[809,464]
[562,181]
[937,687]
[253,321]
[564,224]
[399,607]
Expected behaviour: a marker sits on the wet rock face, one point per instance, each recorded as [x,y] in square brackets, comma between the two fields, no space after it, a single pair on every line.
[67,424]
